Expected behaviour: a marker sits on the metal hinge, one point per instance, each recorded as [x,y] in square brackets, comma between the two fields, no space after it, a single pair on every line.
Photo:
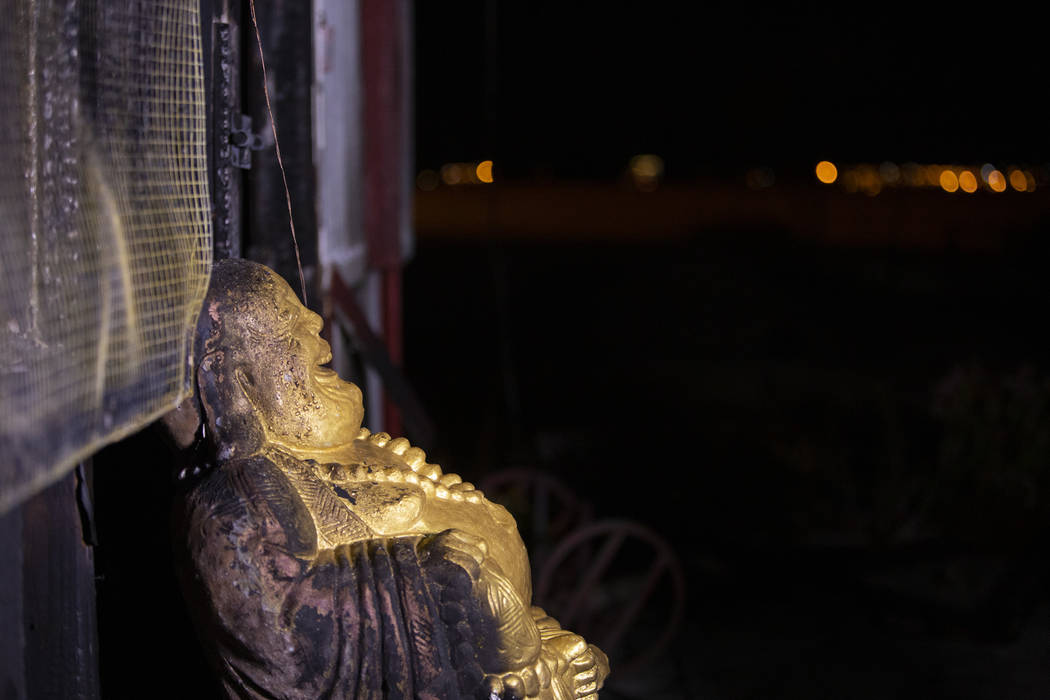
[243,141]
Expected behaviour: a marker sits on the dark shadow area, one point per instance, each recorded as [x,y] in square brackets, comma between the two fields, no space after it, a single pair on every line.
[847,447]
[146,639]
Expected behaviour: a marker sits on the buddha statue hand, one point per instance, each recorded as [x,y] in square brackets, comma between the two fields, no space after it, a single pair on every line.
[528,655]
[514,640]
[577,668]
[567,668]
[504,638]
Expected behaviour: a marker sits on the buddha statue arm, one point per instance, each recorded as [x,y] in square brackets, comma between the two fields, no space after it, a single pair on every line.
[299,621]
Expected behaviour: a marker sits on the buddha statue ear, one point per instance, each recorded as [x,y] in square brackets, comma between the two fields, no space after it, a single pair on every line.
[182,424]
[231,420]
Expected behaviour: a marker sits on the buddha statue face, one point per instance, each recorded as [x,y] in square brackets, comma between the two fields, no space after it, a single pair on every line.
[264,357]
[303,405]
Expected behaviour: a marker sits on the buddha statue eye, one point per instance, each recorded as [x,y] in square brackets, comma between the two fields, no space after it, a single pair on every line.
[286,315]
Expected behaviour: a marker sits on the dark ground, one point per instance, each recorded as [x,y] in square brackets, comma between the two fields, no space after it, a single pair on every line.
[846,447]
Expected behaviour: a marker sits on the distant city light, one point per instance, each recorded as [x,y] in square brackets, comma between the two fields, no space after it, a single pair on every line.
[868,180]
[827,172]
[949,181]
[914,175]
[849,181]
[996,181]
[1018,181]
[427,180]
[646,171]
[456,174]
[871,178]
[1029,181]
[890,173]
[451,174]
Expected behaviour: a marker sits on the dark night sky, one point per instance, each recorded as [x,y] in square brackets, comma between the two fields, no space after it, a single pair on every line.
[574,90]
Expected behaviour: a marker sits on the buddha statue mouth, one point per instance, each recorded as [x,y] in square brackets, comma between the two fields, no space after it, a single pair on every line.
[325,373]
[321,371]
[332,385]
[326,378]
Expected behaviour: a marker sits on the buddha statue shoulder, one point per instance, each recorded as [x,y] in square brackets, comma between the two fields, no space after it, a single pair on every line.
[322,560]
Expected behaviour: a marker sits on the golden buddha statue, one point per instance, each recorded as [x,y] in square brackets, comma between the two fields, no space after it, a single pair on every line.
[320,559]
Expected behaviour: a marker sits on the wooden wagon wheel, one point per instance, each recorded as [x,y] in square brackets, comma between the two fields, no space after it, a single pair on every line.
[604,578]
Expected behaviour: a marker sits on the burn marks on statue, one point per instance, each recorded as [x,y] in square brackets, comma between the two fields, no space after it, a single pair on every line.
[344,494]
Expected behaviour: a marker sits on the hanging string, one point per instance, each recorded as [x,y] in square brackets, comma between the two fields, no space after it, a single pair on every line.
[277,148]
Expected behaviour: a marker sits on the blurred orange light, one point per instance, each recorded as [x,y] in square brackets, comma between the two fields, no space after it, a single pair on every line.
[868,180]
[949,181]
[1018,180]
[646,171]
[890,173]
[427,180]
[827,172]
[914,174]
[997,181]
[968,181]
[647,166]
[850,181]
[451,175]
[484,171]
[1029,181]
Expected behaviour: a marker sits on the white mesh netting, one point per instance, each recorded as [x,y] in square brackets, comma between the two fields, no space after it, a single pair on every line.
[105,235]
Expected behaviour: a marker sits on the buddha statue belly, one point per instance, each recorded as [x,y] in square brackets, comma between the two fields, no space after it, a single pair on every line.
[395,492]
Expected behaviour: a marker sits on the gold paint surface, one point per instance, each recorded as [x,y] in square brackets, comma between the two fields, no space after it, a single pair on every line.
[266,392]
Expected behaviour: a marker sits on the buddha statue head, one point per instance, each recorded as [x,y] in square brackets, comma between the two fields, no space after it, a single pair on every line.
[259,377]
